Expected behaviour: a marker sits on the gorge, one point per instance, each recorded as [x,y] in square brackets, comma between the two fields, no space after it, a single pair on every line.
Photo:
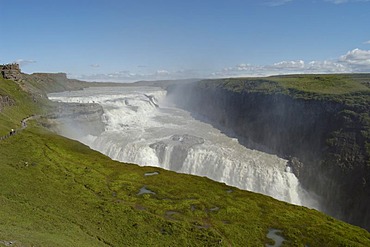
[143,127]
[324,135]
[307,151]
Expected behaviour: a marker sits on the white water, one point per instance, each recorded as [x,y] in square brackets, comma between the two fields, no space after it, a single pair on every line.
[138,131]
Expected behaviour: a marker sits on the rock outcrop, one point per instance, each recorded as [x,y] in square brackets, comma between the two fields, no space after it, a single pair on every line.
[10,72]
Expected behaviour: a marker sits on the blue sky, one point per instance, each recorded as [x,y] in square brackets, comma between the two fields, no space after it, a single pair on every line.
[122,40]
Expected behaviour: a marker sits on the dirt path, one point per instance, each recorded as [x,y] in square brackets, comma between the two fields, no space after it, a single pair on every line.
[13,132]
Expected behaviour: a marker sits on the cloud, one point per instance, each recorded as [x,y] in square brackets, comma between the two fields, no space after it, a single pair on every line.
[275,3]
[345,1]
[129,76]
[162,72]
[358,60]
[356,57]
[367,42]
[326,67]
[24,62]
[336,1]
[95,65]
[299,64]
[353,61]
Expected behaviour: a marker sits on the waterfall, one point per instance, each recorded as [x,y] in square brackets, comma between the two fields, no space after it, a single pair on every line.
[142,128]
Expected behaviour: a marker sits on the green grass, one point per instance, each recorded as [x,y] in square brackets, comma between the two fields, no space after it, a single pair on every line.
[58,192]
[295,85]
[322,84]
[10,117]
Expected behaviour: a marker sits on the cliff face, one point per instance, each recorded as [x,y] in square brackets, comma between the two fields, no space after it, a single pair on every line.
[325,140]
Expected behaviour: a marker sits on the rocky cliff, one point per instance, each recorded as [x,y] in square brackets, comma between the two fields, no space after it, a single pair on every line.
[325,137]
[10,71]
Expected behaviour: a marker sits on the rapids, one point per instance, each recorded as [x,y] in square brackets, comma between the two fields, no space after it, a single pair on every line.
[142,127]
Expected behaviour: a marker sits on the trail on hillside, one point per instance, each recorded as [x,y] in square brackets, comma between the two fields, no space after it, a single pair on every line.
[13,132]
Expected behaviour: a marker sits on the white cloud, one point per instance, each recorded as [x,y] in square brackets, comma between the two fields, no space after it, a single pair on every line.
[95,65]
[298,64]
[275,3]
[356,57]
[337,1]
[246,67]
[241,67]
[24,62]
[353,61]
[345,1]
[129,76]
[367,42]
[162,72]
[326,67]
[119,76]
[358,60]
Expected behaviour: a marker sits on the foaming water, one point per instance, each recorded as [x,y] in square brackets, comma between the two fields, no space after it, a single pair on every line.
[142,128]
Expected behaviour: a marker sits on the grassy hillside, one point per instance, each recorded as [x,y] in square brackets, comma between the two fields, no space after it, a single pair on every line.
[306,86]
[10,117]
[58,192]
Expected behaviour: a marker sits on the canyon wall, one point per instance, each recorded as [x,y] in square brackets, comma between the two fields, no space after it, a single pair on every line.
[326,139]
[76,120]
